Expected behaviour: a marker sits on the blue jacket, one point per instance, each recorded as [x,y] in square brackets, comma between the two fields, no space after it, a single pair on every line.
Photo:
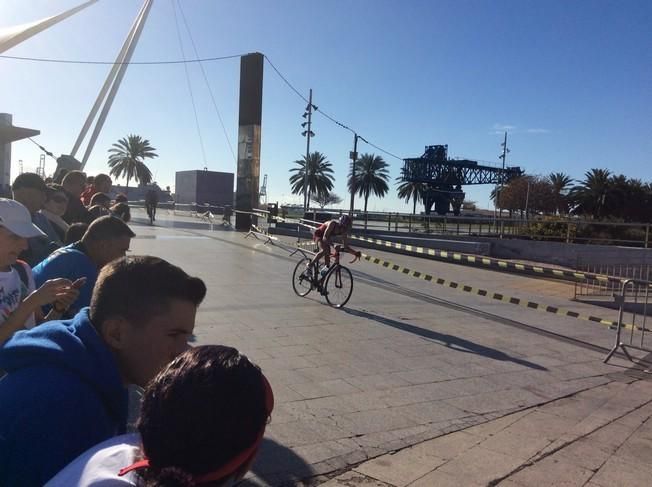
[62,394]
[70,262]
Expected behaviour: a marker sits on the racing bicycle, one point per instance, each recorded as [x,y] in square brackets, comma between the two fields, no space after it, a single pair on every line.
[336,284]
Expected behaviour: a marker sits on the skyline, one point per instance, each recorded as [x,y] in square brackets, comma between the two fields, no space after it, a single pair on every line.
[572,94]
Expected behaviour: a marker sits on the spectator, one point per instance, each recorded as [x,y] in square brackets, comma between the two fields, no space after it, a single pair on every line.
[59,175]
[73,184]
[75,233]
[201,422]
[121,198]
[122,211]
[89,181]
[55,206]
[101,184]
[151,202]
[101,199]
[65,388]
[30,190]
[20,301]
[106,239]
[97,211]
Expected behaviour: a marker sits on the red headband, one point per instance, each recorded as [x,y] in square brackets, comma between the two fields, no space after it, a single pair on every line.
[232,465]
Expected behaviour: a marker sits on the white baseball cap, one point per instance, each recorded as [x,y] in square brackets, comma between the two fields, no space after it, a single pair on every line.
[16,218]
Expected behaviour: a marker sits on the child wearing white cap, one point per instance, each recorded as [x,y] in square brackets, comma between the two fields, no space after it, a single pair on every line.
[20,302]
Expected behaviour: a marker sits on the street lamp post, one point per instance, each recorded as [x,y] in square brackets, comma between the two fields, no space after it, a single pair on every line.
[354,157]
[307,134]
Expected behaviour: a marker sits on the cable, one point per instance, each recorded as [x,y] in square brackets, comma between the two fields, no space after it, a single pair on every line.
[70,61]
[318,110]
[42,148]
[219,116]
[192,98]
[286,81]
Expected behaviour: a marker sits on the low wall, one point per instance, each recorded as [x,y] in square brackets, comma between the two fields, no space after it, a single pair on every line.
[568,255]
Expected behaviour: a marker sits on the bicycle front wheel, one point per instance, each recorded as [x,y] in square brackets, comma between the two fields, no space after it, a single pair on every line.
[301,280]
[338,286]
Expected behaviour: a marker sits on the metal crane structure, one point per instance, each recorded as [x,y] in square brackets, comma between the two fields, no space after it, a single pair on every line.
[443,177]
[262,194]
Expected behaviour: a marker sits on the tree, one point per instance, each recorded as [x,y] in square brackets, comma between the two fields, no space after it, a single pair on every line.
[127,159]
[371,176]
[560,183]
[590,196]
[320,179]
[410,190]
[327,199]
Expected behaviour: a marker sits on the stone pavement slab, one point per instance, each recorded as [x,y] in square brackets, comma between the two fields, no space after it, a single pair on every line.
[541,446]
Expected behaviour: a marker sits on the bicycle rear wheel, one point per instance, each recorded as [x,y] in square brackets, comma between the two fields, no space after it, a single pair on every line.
[338,286]
[301,280]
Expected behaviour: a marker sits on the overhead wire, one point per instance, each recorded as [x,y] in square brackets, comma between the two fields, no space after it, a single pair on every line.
[73,61]
[42,148]
[332,119]
[199,60]
[210,91]
[192,98]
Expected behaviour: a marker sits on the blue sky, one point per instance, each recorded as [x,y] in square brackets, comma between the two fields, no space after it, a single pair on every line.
[571,82]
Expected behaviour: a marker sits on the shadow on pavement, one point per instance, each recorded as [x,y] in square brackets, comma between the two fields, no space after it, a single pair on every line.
[277,465]
[449,341]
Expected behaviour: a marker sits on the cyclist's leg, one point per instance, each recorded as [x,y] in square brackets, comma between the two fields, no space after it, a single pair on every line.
[322,252]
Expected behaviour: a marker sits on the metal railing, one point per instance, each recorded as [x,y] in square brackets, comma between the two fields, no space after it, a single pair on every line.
[632,300]
[590,288]
[558,229]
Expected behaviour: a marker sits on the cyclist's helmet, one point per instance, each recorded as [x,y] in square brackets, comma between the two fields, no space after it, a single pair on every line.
[346,221]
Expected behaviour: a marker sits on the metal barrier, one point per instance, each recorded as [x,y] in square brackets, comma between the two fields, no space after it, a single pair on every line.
[591,288]
[636,303]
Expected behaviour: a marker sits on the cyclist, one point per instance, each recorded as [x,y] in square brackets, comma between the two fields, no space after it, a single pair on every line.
[151,201]
[324,234]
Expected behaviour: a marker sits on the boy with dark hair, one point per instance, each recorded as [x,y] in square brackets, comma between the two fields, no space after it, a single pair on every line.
[74,183]
[30,190]
[20,301]
[65,388]
[106,239]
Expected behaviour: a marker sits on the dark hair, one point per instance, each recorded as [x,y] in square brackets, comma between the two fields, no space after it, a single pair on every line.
[90,179]
[59,175]
[29,180]
[139,287]
[122,211]
[207,406]
[107,228]
[102,178]
[75,232]
[97,211]
[53,189]
[74,177]
[121,198]
[100,199]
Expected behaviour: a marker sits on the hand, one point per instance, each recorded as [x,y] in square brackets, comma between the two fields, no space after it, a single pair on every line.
[54,290]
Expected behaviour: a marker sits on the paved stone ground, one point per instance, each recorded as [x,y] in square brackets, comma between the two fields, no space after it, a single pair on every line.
[601,437]
[404,363]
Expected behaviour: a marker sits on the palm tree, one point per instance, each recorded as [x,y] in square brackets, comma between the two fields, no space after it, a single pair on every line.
[320,179]
[410,190]
[371,176]
[127,159]
[560,183]
[591,194]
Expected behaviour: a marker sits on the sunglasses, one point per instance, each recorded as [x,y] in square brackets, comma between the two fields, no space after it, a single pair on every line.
[59,199]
